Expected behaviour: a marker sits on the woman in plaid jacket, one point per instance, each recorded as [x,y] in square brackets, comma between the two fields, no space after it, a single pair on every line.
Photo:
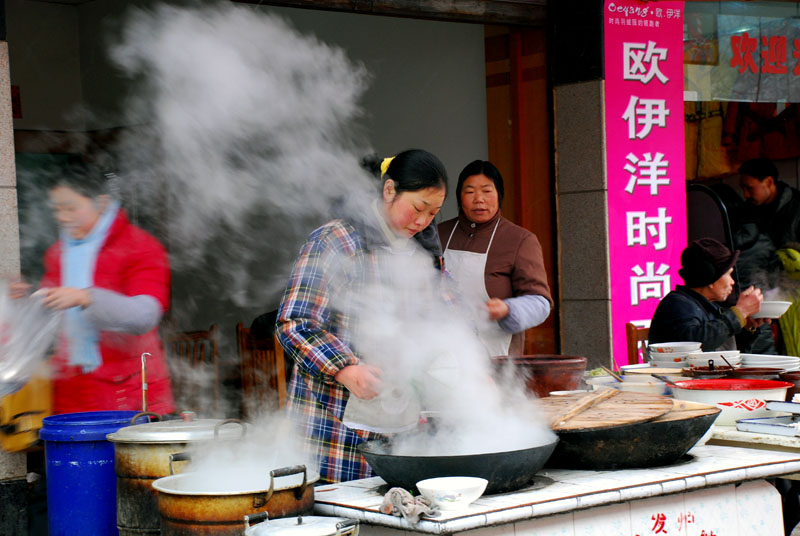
[316,331]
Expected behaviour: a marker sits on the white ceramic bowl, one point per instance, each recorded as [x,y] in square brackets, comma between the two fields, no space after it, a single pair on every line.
[701,359]
[678,357]
[452,492]
[668,347]
[738,399]
[600,382]
[772,309]
[668,364]
[646,375]
[763,358]
[655,387]
[668,355]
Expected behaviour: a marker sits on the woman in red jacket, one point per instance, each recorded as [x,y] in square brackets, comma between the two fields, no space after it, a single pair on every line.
[111,279]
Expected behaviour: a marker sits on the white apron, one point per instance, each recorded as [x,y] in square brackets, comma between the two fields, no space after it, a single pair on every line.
[468,268]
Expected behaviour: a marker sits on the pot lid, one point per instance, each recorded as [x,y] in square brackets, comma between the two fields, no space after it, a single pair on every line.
[303,526]
[179,431]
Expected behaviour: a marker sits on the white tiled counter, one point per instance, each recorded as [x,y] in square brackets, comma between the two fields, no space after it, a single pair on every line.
[691,498]
[730,436]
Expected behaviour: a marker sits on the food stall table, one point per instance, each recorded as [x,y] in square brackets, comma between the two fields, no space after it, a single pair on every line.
[731,437]
[718,490]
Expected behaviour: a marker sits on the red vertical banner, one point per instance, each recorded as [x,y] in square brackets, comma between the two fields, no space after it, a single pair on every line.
[644,158]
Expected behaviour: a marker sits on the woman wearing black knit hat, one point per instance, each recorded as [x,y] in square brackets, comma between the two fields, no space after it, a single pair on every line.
[692,312]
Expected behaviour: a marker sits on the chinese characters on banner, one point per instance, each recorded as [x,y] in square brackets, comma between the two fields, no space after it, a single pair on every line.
[759,59]
[645,158]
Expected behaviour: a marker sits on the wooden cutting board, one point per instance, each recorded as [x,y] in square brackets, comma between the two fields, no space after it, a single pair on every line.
[603,409]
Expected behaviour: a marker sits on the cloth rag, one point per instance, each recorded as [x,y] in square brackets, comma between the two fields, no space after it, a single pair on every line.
[399,502]
[790,259]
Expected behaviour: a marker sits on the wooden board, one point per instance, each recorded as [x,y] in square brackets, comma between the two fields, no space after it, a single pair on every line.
[624,407]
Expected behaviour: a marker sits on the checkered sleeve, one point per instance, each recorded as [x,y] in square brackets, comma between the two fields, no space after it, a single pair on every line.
[306,327]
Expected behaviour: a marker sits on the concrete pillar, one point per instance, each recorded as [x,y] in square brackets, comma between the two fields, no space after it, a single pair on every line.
[13,485]
[576,39]
[581,199]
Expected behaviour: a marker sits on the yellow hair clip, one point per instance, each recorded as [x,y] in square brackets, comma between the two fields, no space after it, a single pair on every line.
[385,165]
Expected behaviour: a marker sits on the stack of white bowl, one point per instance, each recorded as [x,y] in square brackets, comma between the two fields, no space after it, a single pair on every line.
[701,359]
[787,362]
[671,354]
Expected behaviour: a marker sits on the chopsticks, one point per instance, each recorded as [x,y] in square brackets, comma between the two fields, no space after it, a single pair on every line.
[612,373]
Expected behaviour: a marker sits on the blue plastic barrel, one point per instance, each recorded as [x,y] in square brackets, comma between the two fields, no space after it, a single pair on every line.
[81,483]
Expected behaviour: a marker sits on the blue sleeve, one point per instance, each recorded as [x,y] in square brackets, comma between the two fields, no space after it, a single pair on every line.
[525,312]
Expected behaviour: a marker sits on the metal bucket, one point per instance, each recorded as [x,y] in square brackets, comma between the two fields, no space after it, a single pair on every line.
[142,454]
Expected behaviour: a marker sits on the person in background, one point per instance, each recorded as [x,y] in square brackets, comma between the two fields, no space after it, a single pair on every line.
[768,222]
[315,333]
[112,280]
[692,312]
[497,265]
[770,203]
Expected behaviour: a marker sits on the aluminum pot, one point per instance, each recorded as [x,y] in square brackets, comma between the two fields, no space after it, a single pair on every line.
[142,454]
[189,505]
[299,526]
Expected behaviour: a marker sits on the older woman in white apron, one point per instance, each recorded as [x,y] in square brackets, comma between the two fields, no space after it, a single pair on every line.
[497,265]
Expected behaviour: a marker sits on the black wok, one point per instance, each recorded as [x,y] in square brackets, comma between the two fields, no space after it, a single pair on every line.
[630,446]
[505,471]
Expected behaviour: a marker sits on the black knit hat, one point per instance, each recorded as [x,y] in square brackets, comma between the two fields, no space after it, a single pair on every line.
[704,261]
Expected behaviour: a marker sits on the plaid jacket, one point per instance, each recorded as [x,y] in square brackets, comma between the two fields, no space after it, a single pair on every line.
[315,336]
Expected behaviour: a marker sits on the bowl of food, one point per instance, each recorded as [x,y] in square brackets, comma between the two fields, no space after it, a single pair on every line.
[772,309]
[452,492]
[737,398]
[672,347]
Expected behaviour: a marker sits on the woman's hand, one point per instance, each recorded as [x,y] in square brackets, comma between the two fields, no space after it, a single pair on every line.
[61,298]
[363,381]
[18,289]
[497,309]
[749,301]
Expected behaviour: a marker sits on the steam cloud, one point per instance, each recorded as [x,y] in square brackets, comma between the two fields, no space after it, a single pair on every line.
[248,118]
[246,136]
[246,129]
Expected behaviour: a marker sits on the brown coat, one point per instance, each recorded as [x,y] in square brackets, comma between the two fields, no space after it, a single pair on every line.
[514,265]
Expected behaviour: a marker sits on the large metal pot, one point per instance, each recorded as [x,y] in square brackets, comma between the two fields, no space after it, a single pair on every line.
[142,454]
[189,505]
[505,471]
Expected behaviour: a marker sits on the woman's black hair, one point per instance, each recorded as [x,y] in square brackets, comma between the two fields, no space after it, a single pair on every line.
[87,180]
[481,167]
[415,170]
